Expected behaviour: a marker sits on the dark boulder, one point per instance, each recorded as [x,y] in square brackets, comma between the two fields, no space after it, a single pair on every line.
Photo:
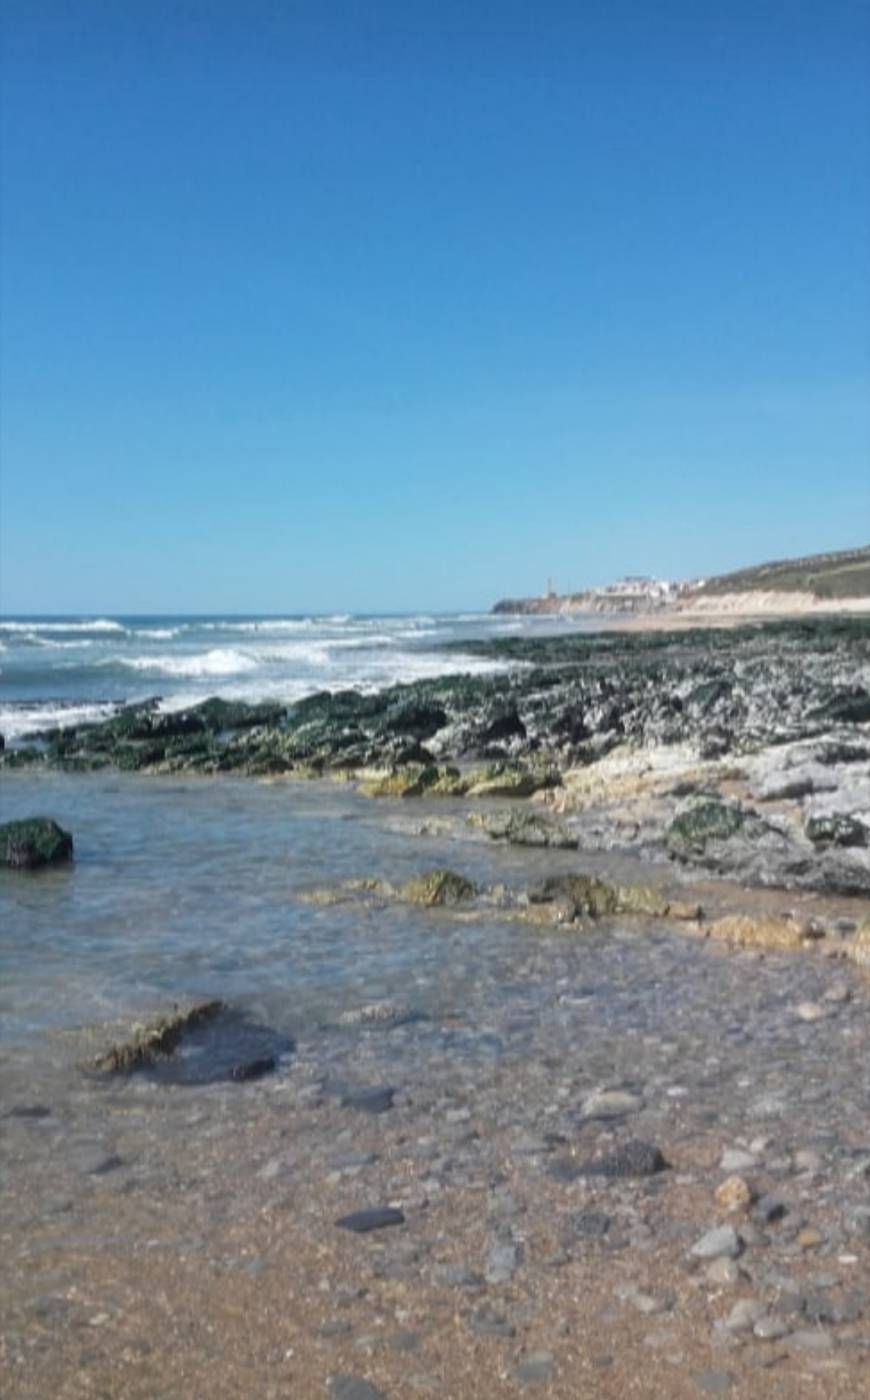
[36,841]
[837,830]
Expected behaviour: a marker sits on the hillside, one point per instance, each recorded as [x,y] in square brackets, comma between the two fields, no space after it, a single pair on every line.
[845,574]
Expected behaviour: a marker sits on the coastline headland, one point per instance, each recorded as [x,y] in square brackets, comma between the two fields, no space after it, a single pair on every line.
[819,584]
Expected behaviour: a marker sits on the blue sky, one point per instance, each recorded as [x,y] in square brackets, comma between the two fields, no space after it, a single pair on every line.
[345,306]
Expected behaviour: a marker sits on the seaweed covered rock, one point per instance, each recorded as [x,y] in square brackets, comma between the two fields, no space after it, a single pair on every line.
[157,1040]
[439,887]
[642,899]
[588,895]
[508,780]
[837,830]
[703,822]
[218,1045]
[410,780]
[846,705]
[520,828]
[34,842]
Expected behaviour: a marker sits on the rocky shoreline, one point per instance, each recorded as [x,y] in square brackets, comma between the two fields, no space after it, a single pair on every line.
[744,753]
[630,1154]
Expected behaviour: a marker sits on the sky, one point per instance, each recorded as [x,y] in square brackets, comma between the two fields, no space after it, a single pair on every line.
[313,307]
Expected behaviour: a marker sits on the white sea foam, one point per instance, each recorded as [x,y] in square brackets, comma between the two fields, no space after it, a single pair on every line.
[55,644]
[18,721]
[303,624]
[100,624]
[158,634]
[220,661]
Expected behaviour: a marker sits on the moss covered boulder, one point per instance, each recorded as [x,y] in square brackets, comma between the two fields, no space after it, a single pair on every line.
[508,780]
[439,887]
[411,780]
[690,831]
[36,841]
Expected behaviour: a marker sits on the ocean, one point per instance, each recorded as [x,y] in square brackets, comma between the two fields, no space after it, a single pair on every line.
[68,670]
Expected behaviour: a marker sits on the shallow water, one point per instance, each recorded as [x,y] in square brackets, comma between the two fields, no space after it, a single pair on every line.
[189,888]
[142,1210]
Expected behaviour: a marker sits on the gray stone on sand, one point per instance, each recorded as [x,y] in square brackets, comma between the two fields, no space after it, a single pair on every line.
[714,1382]
[538,1366]
[722,1240]
[361,1222]
[352,1388]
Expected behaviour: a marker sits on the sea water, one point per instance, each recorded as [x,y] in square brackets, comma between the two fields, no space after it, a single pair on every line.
[69,670]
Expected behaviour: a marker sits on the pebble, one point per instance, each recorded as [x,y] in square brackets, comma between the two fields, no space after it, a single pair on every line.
[856,1221]
[537,1366]
[379,1015]
[591,1223]
[736,1159]
[352,1388]
[631,1159]
[714,1382]
[769,1209]
[811,1339]
[350,1161]
[722,1240]
[770,1329]
[459,1276]
[810,1238]
[645,1302]
[734,1194]
[370,1100]
[490,1324]
[744,1315]
[807,1161]
[361,1222]
[723,1272]
[611,1103]
[810,1011]
[501,1263]
[405,1342]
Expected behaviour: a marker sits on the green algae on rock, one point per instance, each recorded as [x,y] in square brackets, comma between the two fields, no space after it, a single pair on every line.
[712,820]
[837,830]
[34,842]
[438,887]
[157,1040]
[217,1043]
[509,780]
[587,894]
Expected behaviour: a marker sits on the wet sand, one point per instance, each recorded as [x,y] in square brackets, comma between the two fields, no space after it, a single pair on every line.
[166,1241]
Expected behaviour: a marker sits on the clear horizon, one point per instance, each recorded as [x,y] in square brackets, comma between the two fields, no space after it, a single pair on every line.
[313,312]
